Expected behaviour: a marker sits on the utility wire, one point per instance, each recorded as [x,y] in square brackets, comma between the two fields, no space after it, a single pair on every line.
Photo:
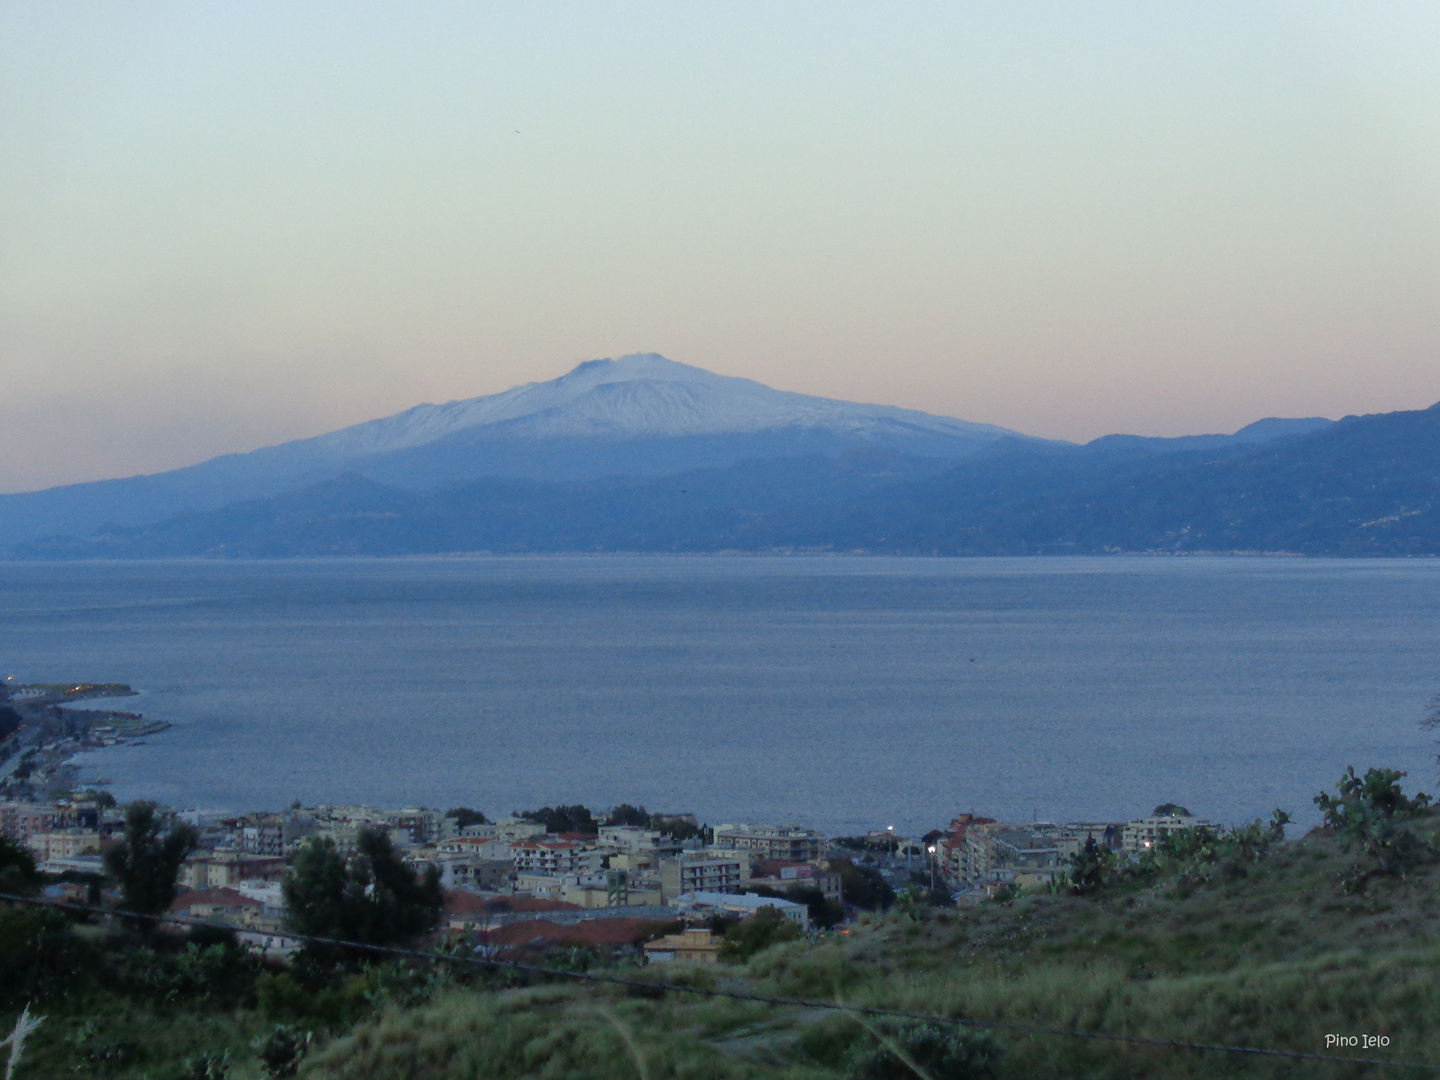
[742,995]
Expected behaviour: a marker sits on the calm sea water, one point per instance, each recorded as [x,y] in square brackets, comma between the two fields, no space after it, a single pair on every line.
[844,693]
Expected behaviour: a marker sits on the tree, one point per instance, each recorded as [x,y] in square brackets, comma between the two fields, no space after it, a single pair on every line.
[563,819]
[147,861]
[17,868]
[371,898]
[677,828]
[863,886]
[28,762]
[1170,809]
[1091,868]
[465,817]
[765,928]
[625,814]
[823,913]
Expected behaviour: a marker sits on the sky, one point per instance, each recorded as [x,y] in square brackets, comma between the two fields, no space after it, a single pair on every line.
[224,225]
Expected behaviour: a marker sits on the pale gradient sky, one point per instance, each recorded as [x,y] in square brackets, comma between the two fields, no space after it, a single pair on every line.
[225,225]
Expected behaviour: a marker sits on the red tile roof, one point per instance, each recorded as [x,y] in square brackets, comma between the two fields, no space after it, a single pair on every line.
[540,933]
[551,845]
[213,897]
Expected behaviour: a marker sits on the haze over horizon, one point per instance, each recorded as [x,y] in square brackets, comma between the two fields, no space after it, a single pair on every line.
[225,227]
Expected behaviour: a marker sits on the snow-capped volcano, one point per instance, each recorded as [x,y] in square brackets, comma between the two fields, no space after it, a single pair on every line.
[640,415]
[643,394]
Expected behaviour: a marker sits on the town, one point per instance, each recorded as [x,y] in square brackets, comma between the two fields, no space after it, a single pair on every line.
[502,874]
[551,876]
[308,928]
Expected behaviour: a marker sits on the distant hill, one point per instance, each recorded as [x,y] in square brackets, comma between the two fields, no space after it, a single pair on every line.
[641,415]
[1366,485]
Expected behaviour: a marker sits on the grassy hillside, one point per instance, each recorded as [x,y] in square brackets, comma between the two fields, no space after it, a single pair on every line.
[1272,946]
[1272,954]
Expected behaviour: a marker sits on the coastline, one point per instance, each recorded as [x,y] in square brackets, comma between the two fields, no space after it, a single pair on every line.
[57,726]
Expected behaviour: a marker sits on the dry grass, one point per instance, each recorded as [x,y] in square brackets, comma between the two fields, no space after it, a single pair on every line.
[1277,957]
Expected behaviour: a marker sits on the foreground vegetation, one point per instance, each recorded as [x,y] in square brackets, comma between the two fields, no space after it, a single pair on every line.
[1236,939]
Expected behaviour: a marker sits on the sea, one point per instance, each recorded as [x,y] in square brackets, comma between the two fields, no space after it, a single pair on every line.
[845,693]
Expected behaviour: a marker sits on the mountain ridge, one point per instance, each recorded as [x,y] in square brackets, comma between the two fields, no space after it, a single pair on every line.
[603,417]
[646,454]
[1368,486]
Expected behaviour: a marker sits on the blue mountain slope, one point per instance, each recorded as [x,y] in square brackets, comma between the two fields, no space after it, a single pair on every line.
[1367,485]
[639,415]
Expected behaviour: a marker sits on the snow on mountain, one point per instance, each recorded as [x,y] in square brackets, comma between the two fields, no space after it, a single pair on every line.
[639,415]
[641,394]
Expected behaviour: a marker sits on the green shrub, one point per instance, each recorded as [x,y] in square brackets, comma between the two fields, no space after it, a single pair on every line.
[1004,894]
[39,956]
[112,1056]
[943,1053]
[767,927]
[211,1066]
[284,998]
[17,869]
[550,1033]
[1091,869]
[215,974]
[1368,814]
[281,1050]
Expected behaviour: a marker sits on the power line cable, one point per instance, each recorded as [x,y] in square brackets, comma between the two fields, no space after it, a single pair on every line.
[743,995]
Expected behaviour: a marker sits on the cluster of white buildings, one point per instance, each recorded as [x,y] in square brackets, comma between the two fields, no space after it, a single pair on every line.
[236,871]
[981,854]
[630,866]
[66,835]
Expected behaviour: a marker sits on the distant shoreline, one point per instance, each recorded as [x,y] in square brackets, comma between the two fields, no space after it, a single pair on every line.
[540,556]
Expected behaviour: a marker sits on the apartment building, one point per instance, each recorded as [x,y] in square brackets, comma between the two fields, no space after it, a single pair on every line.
[703,871]
[261,834]
[478,847]
[633,839]
[788,842]
[949,850]
[225,869]
[475,874]
[64,844]
[414,826]
[743,906]
[21,821]
[556,857]
[511,829]
[696,945]
[998,852]
[1022,853]
[1143,834]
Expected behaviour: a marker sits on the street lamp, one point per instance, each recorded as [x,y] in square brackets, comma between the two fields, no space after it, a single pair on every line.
[931,849]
